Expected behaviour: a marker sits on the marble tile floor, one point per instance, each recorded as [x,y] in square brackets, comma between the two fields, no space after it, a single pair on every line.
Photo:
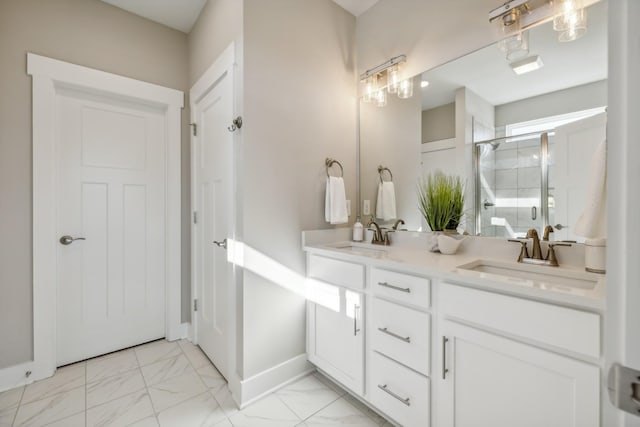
[171,384]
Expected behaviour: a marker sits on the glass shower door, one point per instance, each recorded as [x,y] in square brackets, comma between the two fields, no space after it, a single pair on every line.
[509,186]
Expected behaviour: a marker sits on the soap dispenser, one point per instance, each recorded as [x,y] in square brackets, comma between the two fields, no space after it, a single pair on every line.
[358,231]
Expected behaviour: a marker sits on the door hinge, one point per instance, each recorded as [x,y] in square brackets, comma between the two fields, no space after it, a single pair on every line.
[195,217]
[194,128]
[624,388]
[195,305]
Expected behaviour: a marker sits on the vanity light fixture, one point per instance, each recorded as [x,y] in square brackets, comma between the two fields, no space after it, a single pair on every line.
[527,65]
[376,91]
[570,20]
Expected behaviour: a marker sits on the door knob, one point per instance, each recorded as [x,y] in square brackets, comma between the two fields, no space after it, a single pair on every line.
[559,226]
[67,240]
[222,244]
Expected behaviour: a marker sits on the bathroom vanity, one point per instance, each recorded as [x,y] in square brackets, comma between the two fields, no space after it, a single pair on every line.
[473,339]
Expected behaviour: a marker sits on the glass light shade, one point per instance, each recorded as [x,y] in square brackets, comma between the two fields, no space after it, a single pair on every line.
[393,78]
[515,46]
[405,89]
[369,89]
[570,20]
[576,28]
[381,98]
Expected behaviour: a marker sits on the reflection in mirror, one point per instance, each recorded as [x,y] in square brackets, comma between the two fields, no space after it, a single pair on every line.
[517,139]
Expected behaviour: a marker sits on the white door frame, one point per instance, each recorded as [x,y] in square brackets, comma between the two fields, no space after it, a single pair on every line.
[49,75]
[223,65]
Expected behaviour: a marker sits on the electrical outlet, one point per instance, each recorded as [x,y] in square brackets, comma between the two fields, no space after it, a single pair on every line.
[366,207]
[348,207]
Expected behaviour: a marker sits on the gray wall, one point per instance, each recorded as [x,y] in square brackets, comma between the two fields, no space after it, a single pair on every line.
[439,123]
[85,32]
[299,108]
[577,98]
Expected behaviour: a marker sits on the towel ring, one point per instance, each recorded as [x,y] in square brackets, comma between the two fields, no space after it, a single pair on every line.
[381,170]
[329,162]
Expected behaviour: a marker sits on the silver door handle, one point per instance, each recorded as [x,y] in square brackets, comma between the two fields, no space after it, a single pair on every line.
[356,311]
[444,357]
[534,213]
[559,226]
[487,204]
[222,244]
[67,240]
[400,337]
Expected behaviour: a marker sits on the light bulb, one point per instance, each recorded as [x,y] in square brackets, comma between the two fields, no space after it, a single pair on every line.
[369,89]
[570,20]
[405,89]
[381,98]
[392,79]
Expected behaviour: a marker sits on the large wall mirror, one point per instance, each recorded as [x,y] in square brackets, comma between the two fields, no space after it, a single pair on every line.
[523,143]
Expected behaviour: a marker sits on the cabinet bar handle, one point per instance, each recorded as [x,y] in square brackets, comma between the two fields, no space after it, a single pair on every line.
[444,357]
[397,288]
[401,338]
[384,388]
[356,310]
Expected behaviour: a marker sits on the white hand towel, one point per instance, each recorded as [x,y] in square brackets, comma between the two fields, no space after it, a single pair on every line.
[335,202]
[386,203]
[592,222]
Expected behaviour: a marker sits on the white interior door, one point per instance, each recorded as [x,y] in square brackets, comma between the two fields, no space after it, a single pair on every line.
[111,181]
[212,168]
[573,146]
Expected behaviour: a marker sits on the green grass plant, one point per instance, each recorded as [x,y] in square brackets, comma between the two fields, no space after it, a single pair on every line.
[441,200]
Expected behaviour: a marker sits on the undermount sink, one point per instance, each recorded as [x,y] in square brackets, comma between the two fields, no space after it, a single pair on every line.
[544,277]
[356,248]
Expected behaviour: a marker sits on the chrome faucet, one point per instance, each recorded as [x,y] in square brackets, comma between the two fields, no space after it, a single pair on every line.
[551,258]
[378,237]
[397,223]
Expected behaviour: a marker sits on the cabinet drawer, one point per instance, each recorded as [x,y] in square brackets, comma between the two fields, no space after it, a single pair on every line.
[335,271]
[402,287]
[399,392]
[401,333]
[562,327]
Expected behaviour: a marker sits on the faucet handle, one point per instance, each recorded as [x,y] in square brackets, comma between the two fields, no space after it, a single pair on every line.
[551,254]
[524,253]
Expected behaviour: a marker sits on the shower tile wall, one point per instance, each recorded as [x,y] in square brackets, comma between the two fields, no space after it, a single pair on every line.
[511,180]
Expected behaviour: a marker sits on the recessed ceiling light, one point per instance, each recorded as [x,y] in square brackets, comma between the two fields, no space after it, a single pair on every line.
[527,65]
[424,83]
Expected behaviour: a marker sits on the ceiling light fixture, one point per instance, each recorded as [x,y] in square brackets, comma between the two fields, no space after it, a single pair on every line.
[527,65]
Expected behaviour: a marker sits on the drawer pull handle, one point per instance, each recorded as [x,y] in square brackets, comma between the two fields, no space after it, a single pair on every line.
[401,338]
[384,388]
[397,288]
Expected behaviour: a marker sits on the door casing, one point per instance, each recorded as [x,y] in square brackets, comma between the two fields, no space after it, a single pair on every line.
[49,75]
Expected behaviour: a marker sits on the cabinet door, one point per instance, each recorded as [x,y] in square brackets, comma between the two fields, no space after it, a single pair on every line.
[335,338]
[491,381]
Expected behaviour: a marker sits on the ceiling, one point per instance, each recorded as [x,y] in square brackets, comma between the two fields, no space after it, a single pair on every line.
[356,7]
[182,14]
[487,73]
[177,14]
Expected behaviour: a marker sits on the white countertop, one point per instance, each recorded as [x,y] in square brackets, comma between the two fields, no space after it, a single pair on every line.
[412,259]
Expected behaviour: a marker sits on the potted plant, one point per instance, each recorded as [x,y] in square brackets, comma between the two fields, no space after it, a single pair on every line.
[441,200]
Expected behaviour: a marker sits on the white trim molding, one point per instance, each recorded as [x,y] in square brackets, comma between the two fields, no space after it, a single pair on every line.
[49,75]
[259,385]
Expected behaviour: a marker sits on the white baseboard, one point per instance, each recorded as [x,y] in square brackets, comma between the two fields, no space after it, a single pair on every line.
[16,376]
[178,332]
[257,386]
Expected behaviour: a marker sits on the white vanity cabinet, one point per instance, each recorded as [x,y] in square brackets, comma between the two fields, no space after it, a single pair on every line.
[335,334]
[492,378]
